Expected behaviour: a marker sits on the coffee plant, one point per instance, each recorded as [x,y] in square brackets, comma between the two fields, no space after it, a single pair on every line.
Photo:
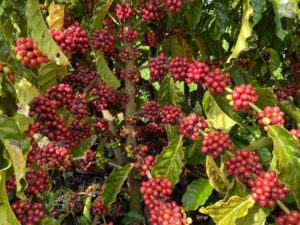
[154,112]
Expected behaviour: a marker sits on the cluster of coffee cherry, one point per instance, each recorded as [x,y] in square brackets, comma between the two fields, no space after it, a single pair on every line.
[80,79]
[191,125]
[170,114]
[270,115]
[75,204]
[124,12]
[144,149]
[88,157]
[296,133]
[30,54]
[151,110]
[292,90]
[158,67]
[98,207]
[151,39]
[8,71]
[241,96]
[147,165]
[292,219]
[38,181]
[28,213]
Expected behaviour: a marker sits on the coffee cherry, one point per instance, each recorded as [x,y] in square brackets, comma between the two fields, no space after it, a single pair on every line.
[78,80]
[242,62]
[151,39]
[266,189]
[28,213]
[151,110]
[216,142]
[170,114]
[151,129]
[243,164]
[292,219]
[78,107]
[179,67]
[191,125]
[168,213]
[144,149]
[108,24]
[196,72]
[120,73]
[124,12]
[296,133]
[158,67]
[156,189]
[45,108]
[147,165]
[105,41]
[54,156]
[11,184]
[242,95]
[80,38]
[80,130]
[216,81]
[28,49]
[56,129]
[131,35]
[150,10]
[61,93]
[134,77]
[292,90]
[75,204]
[98,207]
[173,6]
[270,115]
[102,124]
[64,39]
[38,181]
[105,93]
[31,156]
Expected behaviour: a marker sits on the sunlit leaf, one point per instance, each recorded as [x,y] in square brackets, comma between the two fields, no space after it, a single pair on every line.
[55,19]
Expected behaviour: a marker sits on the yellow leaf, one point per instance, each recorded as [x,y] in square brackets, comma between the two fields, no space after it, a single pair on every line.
[61,71]
[188,51]
[56,16]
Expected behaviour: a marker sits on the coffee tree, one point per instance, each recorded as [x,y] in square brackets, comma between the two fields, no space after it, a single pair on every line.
[159,112]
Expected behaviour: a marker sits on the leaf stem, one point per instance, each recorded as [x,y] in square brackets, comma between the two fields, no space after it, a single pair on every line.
[283,207]
[228,89]
[202,132]
[103,217]
[95,221]
[113,19]
[229,153]
[253,106]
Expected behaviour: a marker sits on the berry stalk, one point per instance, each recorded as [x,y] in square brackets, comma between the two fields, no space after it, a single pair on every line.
[283,207]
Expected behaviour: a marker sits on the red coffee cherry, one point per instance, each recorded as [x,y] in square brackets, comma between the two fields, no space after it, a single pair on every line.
[242,95]
[216,142]
[61,93]
[28,50]
[99,208]
[158,67]
[243,164]
[78,107]
[173,6]
[270,115]
[150,10]
[266,189]
[292,90]
[38,181]
[296,133]
[124,12]
[80,79]
[216,81]
[191,125]
[146,165]
[156,189]
[11,184]
[105,41]
[170,114]
[179,67]
[45,108]
[292,219]
[151,110]
[131,35]
[144,149]
[196,72]
[134,77]
[151,39]
[75,204]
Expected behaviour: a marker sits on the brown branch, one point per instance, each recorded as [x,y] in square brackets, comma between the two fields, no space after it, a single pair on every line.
[134,27]
[140,68]
[137,113]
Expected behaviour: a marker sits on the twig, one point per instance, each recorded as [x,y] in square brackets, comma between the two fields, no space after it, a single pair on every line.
[118,47]
[140,68]
[140,112]
[95,221]
[283,207]
[148,174]
[113,19]
[134,27]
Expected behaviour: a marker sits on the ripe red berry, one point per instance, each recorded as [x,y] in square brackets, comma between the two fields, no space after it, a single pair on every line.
[243,164]
[61,93]
[196,72]
[78,107]
[131,35]
[38,181]
[151,110]
[216,81]
[179,67]
[105,41]
[158,67]
[242,95]
[173,5]
[170,114]
[124,12]
[144,149]
[271,115]
[216,142]
[292,90]
[11,184]
[292,219]
[99,208]
[266,189]
[78,80]
[151,39]
[296,133]
[191,125]
[75,203]
[150,10]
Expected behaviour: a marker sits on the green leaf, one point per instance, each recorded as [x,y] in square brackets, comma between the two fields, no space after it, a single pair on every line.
[172,133]
[84,145]
[87,208]
[176,47]
[245,31]
[47,220]
[266,97]
[288,8]
[279,31]
[113,184]
[131,217]
[23,121]
[286,153]
[7,215]
[100,11]
[256,215]
[105,73]
[197,145]
[216,177]
[193,15]
[290,109]
[265,156]
[222,14]
[40,34]
[259,7]
[260,143]
[8,97]
[193,155]
[6,56]
[240,75]
[47,76]
[17,145]
[196,194]
[235,189]
[169,162]
[228,212]
[216,116]
[26,92]
[274,59]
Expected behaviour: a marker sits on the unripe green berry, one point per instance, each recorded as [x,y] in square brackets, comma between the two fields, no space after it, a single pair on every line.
[6,70]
